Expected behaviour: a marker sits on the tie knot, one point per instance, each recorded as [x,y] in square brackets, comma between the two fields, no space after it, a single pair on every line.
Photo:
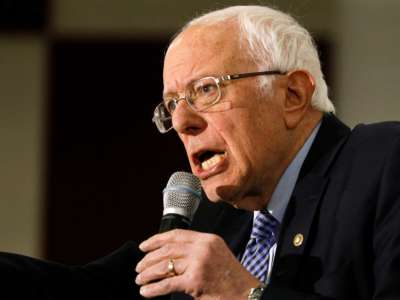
[264,226]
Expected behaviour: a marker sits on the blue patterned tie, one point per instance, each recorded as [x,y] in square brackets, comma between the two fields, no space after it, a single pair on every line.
[263,236]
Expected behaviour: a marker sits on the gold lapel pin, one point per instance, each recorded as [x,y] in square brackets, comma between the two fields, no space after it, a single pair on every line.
[298,240]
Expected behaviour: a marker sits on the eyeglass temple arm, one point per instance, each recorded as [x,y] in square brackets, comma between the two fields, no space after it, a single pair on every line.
[244,75]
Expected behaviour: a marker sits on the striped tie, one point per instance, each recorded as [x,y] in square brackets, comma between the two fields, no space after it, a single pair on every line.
[256,256]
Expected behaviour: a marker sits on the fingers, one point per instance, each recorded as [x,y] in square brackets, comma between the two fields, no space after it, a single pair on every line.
[173,236]
[163,287]
[200,261]
[155,268]
[163,253]
[159,271]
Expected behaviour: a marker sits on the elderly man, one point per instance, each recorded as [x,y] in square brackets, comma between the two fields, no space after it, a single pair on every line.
[301,207]
[244,91]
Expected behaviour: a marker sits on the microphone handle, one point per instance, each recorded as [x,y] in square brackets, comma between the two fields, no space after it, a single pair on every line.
[173,221]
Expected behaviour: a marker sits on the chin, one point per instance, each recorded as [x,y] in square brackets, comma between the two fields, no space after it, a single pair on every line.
[225,193]
[235,195]
[212,195]
[226,186]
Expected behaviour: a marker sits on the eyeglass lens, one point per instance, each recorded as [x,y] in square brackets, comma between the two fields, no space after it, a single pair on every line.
[200,94]
[162,118]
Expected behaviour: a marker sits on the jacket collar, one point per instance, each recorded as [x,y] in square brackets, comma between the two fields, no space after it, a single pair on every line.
[309,190]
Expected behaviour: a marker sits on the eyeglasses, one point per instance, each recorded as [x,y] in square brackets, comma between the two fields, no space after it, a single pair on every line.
[199,95]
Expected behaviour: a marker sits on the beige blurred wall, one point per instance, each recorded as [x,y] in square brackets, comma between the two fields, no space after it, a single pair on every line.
[22,73]
[161,17]
[368,46]
[364,35]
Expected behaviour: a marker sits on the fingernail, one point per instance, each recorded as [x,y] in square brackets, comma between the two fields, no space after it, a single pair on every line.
[143,290]
[138,267]
[137,279]
[142,245]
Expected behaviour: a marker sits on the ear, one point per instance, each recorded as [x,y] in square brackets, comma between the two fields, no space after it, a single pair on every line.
[300,88]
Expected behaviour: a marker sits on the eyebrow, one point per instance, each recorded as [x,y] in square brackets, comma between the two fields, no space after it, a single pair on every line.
[201,76]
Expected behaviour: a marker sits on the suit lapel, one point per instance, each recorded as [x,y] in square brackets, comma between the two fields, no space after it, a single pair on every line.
[297,226]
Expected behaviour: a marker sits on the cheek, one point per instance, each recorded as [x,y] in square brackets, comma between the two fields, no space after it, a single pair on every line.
[226,128]
[251,139]
[236,119]
[235,130]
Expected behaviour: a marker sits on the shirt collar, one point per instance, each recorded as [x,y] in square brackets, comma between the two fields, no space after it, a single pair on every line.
[284,189]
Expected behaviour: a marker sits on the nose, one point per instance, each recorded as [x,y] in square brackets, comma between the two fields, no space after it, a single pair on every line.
[186,121]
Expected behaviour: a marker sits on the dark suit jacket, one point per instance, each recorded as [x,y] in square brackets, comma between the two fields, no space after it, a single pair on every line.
[346,204]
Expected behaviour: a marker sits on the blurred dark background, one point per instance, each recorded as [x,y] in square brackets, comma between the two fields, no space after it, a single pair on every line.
[107,164]
[83,165]
[23,15]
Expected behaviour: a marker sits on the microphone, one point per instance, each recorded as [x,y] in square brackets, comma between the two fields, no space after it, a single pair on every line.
[181,198]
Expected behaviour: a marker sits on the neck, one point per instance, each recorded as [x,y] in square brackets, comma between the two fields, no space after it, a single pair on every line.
[296,140]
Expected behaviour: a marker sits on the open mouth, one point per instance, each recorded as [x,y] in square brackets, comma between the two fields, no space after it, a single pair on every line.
[208,159]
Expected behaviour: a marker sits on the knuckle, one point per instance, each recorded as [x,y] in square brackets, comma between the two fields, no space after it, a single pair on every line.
[213,239]
[166,250]
[176,231]
[206,253]
[211,243]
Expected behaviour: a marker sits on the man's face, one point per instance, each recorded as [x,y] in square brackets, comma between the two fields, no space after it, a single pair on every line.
[238,147]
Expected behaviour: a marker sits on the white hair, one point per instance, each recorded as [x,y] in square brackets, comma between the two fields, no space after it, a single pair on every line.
[274,40]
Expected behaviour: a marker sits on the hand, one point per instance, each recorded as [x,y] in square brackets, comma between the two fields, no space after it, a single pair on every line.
[205,267]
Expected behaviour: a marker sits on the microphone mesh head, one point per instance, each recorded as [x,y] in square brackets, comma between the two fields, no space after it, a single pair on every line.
[182,195]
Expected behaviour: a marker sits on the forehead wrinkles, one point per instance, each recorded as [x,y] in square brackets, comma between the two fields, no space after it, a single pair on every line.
[202,51]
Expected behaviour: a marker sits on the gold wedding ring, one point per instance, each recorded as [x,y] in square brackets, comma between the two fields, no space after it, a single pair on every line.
[171,268]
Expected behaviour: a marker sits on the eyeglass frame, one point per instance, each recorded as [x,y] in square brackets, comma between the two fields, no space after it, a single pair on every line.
[218,80]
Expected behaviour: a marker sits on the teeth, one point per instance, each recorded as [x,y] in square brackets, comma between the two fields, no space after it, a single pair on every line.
[209,163]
